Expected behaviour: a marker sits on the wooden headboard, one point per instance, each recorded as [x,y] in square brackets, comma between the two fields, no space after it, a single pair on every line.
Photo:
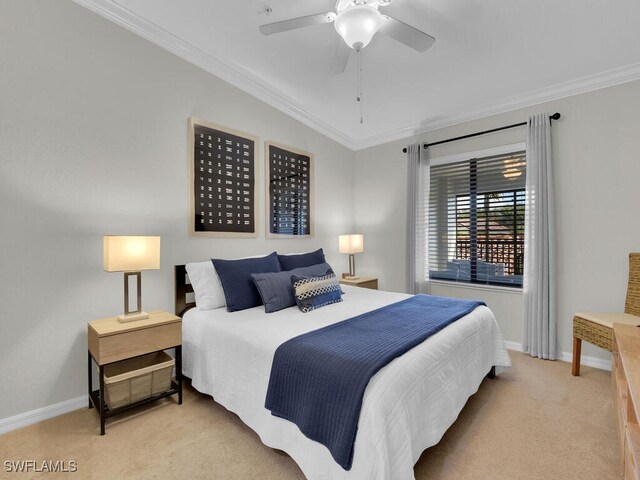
[182,289]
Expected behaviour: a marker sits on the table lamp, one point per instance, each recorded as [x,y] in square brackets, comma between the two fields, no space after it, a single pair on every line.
[351,244]
[131,255]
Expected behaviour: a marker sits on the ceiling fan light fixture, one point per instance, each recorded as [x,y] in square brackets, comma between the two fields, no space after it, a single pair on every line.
[513,168]
[357,25]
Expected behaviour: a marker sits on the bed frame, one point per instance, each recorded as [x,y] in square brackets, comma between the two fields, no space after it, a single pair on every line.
[183,289]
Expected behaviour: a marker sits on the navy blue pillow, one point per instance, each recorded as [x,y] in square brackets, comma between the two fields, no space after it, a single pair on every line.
[289,262]
[276,290]
[316,292]
[235,275]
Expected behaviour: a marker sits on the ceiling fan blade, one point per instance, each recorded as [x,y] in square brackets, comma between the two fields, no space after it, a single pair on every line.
[340,58]
[403,33]
[299,22]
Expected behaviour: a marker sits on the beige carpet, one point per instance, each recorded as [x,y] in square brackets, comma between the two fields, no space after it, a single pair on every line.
[534,421]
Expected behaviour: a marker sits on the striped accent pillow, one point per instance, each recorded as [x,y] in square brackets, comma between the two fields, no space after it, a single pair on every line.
[316,292]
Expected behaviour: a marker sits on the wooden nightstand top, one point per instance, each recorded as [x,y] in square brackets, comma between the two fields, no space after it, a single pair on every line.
[110,341]
[367,282]
[111,326]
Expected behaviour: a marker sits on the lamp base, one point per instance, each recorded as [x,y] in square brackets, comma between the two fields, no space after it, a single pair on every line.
[133,317]
[351,277]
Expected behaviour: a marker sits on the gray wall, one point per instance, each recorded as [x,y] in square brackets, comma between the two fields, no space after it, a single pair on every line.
[93,136]
[595,147]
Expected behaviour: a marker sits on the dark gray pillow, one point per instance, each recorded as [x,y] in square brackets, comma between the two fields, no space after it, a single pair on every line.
[276,290]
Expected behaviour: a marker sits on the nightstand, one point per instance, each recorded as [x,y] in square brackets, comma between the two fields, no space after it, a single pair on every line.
[111,341]
[364,282]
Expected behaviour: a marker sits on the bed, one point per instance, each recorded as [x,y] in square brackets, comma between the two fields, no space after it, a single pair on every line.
[407,407]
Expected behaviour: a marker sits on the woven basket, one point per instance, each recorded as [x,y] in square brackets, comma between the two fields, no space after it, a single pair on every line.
[135,379]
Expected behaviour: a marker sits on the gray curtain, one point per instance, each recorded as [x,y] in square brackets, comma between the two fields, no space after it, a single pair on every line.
[539,297]
[416,235]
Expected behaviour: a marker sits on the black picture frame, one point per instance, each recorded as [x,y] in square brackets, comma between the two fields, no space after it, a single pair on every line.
[222,181]
[289,191]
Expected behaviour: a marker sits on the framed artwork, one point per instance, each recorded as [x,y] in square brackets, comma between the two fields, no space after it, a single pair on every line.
[222,181]
[289,190]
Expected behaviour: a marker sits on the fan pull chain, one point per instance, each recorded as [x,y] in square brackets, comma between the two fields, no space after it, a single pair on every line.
[359,98]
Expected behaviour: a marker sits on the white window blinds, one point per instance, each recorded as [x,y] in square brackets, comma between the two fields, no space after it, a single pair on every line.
[476,220]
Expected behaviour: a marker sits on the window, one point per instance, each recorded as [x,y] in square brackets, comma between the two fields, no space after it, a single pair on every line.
[476,220]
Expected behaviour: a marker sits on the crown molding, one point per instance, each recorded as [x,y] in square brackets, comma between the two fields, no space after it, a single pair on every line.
[244,80]
[598,81]
[232,74]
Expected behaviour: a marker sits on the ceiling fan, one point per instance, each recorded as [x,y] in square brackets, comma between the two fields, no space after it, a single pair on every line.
[357,21]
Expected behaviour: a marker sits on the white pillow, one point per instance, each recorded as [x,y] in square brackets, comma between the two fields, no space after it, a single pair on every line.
[206,285]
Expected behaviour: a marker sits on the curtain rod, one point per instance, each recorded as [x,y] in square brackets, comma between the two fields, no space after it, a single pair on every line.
[555,116]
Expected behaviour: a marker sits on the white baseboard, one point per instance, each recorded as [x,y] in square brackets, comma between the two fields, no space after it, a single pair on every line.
[594,362]
[44,413]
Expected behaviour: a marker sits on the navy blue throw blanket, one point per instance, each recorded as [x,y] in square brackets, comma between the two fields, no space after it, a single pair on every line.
[318,378]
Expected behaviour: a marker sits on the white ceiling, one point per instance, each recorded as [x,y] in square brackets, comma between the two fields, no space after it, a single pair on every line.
[489,56]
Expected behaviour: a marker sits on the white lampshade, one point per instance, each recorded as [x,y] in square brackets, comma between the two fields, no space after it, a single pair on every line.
[351,244]
[357,25]
[131,254]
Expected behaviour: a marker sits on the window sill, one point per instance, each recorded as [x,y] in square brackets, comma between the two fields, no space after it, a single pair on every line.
[475,286]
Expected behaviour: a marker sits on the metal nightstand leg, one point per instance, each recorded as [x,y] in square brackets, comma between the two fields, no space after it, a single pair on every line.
[101,400]
[179,372]
[90,379]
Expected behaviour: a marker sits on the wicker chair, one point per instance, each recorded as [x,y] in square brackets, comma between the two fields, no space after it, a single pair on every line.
[597,328]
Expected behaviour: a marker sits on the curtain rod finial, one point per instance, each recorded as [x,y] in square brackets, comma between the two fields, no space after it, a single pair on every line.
[404,150]
[556,116]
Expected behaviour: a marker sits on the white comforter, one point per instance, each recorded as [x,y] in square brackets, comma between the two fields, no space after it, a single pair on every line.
[407,407]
